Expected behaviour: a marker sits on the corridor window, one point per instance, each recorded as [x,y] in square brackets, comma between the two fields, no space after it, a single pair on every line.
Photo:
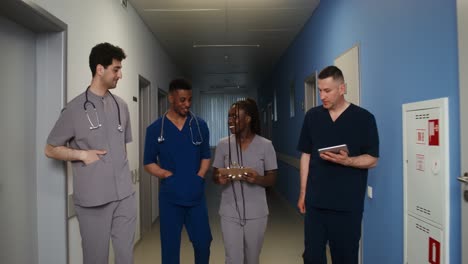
[214,110]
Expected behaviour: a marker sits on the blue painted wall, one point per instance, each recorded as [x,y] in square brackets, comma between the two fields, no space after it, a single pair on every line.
[408,53]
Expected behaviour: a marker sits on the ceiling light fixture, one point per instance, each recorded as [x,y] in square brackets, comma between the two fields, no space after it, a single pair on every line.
[225,73]
[181,10]
[226,45]
[269,8]
[270,30]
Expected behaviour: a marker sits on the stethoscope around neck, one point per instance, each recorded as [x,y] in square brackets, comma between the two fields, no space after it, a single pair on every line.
[161,138]
[98,124]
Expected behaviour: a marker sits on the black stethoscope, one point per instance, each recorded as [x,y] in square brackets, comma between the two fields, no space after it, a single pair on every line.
[98,125]
[161,138]
[238,164]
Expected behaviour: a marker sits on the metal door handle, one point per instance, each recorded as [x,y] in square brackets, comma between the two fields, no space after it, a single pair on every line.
[464,178]
[134,177]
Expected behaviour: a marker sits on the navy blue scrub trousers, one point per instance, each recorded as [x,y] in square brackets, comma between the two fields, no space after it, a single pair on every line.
[195,218]
[342,231]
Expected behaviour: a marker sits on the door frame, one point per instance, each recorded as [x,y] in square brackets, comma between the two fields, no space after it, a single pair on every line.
[462,20]
[50,94]
[144,88]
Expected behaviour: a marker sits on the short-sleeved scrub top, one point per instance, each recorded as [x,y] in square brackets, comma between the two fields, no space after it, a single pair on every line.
[109,178]
[179,154]
[330,185]
[260,155]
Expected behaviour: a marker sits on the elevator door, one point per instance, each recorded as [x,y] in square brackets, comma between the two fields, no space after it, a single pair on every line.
[17,116]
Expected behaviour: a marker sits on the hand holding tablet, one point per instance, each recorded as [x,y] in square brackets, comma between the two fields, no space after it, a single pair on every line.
[334,149]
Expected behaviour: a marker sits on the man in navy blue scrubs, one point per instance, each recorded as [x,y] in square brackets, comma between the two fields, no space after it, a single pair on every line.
[333,184]
[180,141]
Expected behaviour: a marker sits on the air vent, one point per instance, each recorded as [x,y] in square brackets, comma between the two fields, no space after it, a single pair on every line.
[422,228]
[422,116]
[423,210]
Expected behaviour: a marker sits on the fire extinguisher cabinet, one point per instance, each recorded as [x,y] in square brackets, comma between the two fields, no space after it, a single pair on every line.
[426,182]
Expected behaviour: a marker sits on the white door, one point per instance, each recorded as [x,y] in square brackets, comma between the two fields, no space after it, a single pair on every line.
[462,15]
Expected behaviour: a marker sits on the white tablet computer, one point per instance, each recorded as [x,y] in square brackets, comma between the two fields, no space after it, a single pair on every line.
[334,149]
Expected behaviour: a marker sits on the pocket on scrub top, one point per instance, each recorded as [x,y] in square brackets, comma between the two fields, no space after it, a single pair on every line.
[90,179]
[183,188]
[168,181]
[90,164]
[194,188]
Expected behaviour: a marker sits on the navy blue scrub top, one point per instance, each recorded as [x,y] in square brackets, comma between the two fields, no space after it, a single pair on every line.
[330,185]
[178,154]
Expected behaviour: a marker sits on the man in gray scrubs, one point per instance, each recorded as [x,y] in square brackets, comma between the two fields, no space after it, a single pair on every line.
[92,132]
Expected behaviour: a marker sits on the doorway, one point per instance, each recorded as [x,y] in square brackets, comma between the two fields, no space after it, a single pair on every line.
[32,93]
[310,92]
[162,108]
[144,182]
[268,134]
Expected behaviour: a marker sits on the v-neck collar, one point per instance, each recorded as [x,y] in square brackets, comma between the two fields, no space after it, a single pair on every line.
[339,117]
[172,123]
[248,146]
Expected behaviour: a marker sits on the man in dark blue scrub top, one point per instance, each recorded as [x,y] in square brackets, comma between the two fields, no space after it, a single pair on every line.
[333,184]
[180,141]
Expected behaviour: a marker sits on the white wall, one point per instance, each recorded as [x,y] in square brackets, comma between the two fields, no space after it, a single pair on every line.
[91,22]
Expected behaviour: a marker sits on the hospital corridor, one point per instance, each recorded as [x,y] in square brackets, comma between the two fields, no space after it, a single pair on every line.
[352,109]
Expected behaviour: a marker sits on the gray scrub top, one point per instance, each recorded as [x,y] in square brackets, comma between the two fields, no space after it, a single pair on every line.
[260,156]
[109,178]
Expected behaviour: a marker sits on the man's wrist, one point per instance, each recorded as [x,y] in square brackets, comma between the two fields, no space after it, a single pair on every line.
[81,154]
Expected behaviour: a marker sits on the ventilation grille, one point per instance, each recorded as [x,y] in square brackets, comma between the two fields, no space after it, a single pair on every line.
[422,228]
[423,210]
[422,116]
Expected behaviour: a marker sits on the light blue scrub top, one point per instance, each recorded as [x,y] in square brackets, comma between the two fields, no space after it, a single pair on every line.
[179,155]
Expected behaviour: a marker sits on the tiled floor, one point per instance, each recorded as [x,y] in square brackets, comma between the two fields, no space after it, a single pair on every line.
[283,239]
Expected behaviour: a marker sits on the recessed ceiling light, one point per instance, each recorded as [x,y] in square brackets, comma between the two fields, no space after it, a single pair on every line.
[269,8]
[270,29]
[225,45]
[181,10]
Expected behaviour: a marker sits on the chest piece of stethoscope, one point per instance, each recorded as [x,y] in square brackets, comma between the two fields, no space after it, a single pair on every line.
[92,125]
[98,125]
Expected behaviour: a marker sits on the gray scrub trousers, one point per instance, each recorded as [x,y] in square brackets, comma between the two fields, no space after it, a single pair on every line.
[103,191]
[243,234]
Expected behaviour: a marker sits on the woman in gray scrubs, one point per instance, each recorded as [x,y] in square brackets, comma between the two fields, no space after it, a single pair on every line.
[243,208]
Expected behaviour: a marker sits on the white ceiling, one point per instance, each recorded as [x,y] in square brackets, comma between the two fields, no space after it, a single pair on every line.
[268,25]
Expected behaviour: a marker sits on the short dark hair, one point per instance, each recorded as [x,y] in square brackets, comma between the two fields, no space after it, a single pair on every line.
[103,54]
[331,71]
[250,108]
[179,84]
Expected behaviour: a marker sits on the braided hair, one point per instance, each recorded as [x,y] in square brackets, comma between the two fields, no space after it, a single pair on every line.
[250,108]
